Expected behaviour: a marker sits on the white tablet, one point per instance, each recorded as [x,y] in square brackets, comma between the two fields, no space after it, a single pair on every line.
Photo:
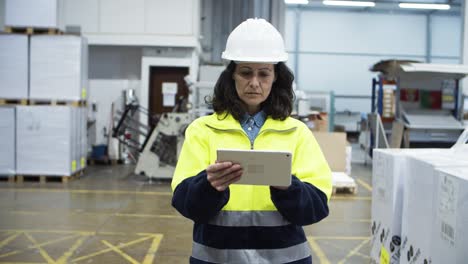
[261,167]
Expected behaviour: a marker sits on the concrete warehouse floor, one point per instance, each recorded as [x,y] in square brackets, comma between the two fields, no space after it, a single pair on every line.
[113,216]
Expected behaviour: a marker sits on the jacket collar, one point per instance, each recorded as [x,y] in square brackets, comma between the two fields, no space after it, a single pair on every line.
[226,121]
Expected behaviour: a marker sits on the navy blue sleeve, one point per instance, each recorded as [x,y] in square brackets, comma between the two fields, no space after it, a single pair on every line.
[197,200]
[301,204]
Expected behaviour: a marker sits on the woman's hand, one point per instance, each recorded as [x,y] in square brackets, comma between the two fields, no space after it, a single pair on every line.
[222,174]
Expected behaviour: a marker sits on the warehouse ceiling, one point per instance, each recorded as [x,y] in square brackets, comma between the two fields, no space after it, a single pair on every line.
[388,6]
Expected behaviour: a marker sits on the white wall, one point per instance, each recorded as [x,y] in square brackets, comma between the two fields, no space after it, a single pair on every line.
[336,49]
[103,93]
[446,36]
[114,62]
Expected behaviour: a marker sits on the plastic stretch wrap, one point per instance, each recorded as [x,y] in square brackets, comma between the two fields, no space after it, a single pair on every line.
[74,140]
[7,140]
[59,67]
[34,13]
[44,140]
[14,66]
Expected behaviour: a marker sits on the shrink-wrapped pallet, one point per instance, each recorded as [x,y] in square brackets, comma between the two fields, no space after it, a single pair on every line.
[58,68]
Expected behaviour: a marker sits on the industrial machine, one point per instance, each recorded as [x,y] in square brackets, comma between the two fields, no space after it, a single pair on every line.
[156,148]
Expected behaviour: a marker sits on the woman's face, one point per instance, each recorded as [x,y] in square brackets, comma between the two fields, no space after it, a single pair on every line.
[253,83]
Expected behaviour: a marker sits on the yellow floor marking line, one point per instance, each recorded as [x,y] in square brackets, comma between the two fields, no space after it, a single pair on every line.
[353,251]
[22,262]
[53,241]
[75,232]
[120,252]
[318,251]
[149,216]
[108,249]
[10,254]
[41,251]
[152,250]
[36,246]
[81,191]
[365,185]
[333,245]
[340,237]
[64,258]
[101,214]
[9,239]
[351,198]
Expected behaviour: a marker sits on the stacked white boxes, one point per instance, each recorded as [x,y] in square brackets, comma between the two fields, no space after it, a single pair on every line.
[14,53]
[389,170]
[59,67]
[450,229]
[44,140]
[420,203]
[34,13]
[7,141]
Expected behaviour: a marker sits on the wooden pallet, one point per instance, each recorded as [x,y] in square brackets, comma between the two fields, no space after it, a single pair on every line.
[7,178]
[58,102]
[343,190]
[112,162]
[13,101]
[42,179]
[342,183]
[33,30]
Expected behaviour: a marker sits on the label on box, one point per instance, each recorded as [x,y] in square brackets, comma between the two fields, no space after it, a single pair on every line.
[83,162]
[73,166]
[384,256]
[381,180]
[448,193]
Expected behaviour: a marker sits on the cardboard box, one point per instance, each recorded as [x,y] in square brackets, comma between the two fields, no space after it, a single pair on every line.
[35,13]
[318,122]
[7,141]
[420,203]
[450,229]
[58,67]
[333,146]
[14,53]
[44,140]
[389,170]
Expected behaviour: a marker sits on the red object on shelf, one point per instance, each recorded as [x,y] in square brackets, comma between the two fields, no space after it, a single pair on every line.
[409,95]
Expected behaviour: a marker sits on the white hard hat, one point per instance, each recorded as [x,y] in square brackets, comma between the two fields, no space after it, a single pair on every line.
[255,40]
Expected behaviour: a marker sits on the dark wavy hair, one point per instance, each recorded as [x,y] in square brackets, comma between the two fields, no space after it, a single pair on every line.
[278,105]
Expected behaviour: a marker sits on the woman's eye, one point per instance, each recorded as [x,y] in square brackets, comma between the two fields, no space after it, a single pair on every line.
[264,74]
[245,74]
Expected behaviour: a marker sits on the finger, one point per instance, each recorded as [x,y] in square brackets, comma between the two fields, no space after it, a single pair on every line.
[226,179]
[218,166]
[231,181]
[212,176]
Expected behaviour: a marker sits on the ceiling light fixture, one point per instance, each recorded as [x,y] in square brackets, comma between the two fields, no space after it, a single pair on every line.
[424,6]
[296,2]
[349,3]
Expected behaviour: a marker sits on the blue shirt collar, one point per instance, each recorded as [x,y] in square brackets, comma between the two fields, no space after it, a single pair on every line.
[259,119]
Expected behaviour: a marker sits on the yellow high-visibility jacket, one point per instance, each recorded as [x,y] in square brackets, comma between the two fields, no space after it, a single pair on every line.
[246,223]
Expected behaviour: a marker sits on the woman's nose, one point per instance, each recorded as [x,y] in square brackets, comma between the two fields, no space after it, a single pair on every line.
[254,81]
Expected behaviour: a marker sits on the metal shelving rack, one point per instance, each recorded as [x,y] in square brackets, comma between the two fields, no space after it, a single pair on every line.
[428,125]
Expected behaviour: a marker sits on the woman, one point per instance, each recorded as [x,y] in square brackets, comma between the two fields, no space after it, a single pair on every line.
[252,102]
